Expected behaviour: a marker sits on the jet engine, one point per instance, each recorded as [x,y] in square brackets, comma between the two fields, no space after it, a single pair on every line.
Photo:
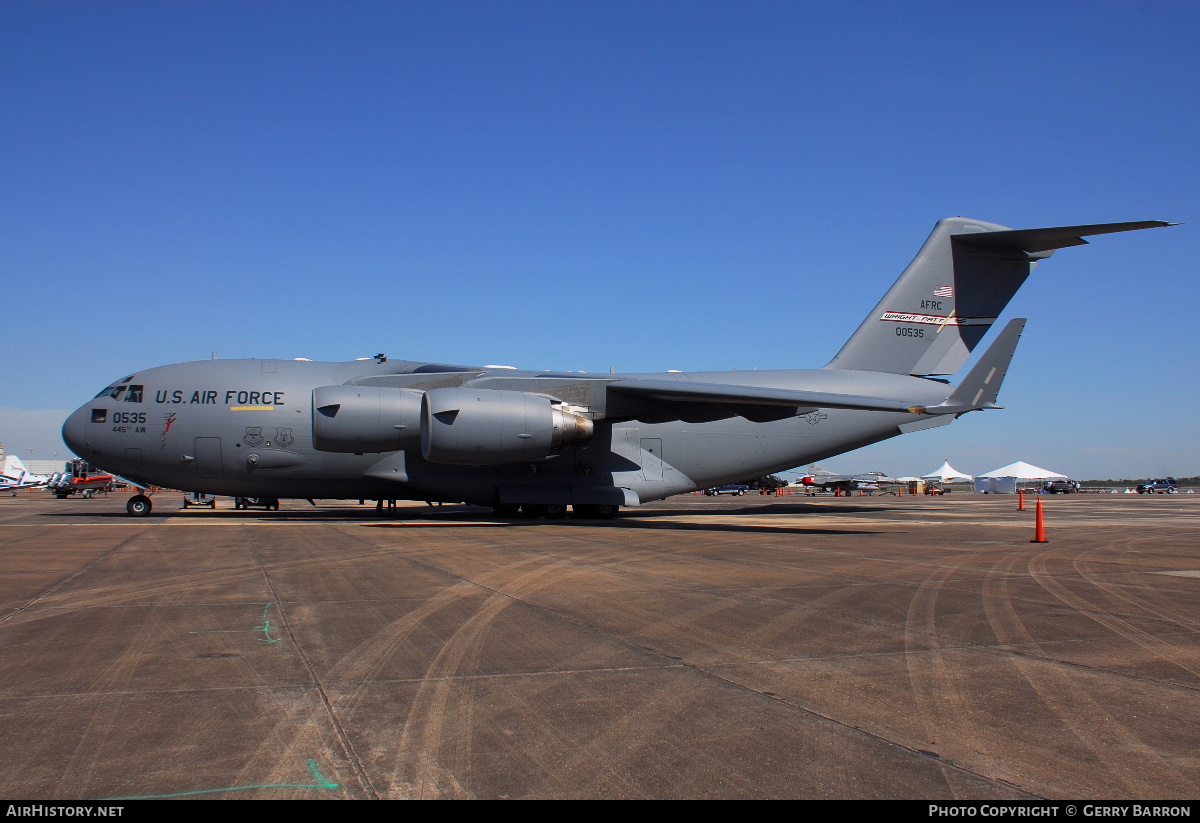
[362,419]
[478,427]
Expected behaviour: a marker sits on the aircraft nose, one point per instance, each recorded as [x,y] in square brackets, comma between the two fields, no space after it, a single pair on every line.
[75,432]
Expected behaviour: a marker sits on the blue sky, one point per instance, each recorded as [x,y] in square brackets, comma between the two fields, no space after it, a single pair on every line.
[579,185]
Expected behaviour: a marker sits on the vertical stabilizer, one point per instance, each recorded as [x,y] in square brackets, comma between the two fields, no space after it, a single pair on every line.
[939,308]
[952,292]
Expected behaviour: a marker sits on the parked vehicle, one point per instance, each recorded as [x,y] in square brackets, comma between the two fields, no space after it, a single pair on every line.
[199,499]
[736,489]
[1163,485]
[1061,487]
[79,478]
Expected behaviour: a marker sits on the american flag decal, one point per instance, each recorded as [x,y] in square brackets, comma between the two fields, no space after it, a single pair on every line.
[943,291]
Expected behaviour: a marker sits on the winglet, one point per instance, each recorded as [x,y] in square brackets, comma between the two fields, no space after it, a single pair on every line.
[980,388]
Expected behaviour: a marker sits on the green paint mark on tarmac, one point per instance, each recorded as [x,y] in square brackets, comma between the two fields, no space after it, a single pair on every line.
[265,627]
[322,783]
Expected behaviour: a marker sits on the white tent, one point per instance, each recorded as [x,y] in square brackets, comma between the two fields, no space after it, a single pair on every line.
[1024,471]
[946,474]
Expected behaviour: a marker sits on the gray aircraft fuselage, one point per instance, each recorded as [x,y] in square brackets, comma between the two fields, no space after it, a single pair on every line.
[245,428]
[395,429]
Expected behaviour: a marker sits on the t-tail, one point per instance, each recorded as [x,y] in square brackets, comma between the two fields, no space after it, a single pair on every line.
[943,304]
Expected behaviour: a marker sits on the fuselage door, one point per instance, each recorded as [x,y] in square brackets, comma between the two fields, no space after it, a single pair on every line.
[208,457]
[652,468]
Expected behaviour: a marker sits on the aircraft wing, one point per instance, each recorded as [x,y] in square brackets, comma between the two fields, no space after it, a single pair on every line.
[680,392]
[12,484]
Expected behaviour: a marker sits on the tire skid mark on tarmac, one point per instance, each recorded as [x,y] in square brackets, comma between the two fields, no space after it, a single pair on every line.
[442,694]
[1086,715]
[1160,648]
[84,764]
[169,589]
[434,704]
[291,740]
[1064,693]
[430,770]
[613,747]
[365,664]
[50,593]
[944,709]
[1125,590]
[442,707]
[297,733]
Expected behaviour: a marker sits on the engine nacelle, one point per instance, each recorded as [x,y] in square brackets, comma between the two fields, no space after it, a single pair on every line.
[485,427]
[362,419]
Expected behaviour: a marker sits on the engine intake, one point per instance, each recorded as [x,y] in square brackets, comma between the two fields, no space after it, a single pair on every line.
[483,427]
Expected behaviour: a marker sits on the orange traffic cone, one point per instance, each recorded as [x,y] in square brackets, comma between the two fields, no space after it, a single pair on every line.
[1039,528]
[1020,500]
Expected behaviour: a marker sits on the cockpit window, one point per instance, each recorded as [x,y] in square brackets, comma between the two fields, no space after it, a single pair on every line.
[135,394]
[115,394]
[103,392]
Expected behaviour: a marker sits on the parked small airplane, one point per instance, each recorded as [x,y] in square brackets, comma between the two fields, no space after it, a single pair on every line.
[539,442]
[15,476]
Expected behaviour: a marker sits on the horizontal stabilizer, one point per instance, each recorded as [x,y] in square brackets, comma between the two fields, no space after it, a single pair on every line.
[1035,241]
[981,387]
[675,391]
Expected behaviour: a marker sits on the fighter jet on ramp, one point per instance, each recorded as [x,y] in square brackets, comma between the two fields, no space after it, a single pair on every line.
[819,480]
[540,442]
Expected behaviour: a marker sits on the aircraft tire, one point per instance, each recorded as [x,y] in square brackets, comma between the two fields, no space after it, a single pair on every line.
[139,506]
[273,504]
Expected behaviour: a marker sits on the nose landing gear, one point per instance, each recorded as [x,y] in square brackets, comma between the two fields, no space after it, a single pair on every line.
[139,506]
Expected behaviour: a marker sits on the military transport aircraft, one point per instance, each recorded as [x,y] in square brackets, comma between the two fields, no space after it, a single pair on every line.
[539,442]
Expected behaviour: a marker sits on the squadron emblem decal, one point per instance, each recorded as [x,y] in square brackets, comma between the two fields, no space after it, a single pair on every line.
[283,438]
[168,419]
[254,436]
